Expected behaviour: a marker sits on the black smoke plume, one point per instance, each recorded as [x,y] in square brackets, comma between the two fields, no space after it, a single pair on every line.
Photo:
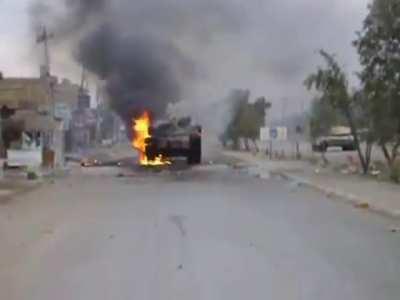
[135,45]
[140,72]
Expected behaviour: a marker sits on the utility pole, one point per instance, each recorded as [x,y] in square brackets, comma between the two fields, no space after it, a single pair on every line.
[98,114]
[43,38]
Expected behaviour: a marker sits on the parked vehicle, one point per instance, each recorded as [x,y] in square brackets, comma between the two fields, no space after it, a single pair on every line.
[339,137]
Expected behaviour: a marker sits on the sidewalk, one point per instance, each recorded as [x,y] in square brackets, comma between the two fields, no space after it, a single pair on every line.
[367,193]
[15,181]
[14,184]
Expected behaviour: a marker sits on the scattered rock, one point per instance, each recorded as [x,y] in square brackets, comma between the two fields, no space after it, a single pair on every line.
[395,230]
[111,237]
[330,194]
[180,267]
[362,205]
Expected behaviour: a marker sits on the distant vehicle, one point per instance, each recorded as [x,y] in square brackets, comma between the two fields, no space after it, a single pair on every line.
[176,138]
[339,137]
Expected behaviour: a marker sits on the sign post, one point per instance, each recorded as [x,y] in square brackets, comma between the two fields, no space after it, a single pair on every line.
[273,134]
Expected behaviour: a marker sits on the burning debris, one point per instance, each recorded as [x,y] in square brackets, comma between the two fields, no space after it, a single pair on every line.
[158,144]
[141,135]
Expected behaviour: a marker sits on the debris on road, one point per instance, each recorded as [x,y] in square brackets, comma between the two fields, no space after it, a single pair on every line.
[395,229]
[330,194]
[179,222]
[362,205]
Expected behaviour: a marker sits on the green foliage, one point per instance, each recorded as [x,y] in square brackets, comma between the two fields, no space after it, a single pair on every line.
[395,172]
[247,118]
[378,45]
[376,107]
[252,117]
[31,175]
[323,117]
[332,84]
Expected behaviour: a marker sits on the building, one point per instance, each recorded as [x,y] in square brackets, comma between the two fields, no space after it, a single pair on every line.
[30,134]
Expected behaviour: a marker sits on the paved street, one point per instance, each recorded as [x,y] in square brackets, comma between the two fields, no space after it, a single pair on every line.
[207,233]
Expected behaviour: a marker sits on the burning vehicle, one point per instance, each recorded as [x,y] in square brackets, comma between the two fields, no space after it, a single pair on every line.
[159,142]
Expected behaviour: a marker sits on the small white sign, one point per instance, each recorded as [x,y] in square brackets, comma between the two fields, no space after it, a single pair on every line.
[264,134]
[273,134]
[282,134]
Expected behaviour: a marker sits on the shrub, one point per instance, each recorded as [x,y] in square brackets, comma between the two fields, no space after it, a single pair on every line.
[395,172]
[32,175]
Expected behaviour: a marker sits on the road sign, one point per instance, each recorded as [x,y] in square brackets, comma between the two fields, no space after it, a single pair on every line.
[273,134]
[265,134]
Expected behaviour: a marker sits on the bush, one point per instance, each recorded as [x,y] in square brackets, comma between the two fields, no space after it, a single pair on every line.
[395,172]
[32,175]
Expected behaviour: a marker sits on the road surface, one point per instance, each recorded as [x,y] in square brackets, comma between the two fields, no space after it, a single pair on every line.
[212,232]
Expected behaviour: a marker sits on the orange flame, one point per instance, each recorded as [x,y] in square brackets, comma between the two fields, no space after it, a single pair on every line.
[141,128]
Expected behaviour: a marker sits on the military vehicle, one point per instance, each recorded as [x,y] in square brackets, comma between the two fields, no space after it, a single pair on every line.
[175,138]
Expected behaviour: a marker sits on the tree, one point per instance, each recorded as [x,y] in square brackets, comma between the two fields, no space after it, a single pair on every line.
[378,45]
[237,101]
[322,118]
[247,119]
[333,86]
[251,119]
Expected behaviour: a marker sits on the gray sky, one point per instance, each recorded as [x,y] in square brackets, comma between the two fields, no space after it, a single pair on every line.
[270,53]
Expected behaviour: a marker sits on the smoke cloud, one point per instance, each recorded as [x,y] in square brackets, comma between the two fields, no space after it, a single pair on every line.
[195,51]
[136,47]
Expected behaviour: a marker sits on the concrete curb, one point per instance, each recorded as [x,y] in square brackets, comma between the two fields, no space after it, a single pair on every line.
[331,193]
[337,194]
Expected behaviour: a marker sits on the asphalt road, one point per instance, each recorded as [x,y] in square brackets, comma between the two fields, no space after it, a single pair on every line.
[211,232]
